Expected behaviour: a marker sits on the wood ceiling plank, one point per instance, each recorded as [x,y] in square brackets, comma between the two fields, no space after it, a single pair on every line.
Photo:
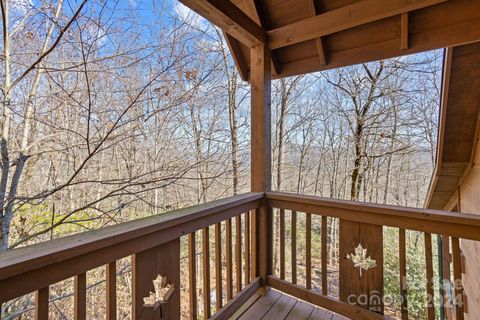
[347,17]
[230,19]
[430,28]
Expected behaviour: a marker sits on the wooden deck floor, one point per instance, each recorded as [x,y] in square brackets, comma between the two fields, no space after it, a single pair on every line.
[278,306]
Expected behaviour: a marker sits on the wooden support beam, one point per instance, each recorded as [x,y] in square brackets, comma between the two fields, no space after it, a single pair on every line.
[230,19]
[255,13]
[322,55]
[347,17]
[261,157]
[240,63]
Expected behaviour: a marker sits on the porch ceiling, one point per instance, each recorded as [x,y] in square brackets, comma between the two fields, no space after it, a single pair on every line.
[459,122]
[312,35]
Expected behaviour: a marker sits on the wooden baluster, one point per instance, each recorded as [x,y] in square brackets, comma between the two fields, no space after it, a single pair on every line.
[218,265]
[324,256]
[282,244]
[429,269]
[254,242]
[162,260]
[238,253]
[247,248]
[446,277]
[294,247]
[308,249]
[228,248]
[403,273]
[41,304]
[206,272]
[111,290]
[192,274]
[457,276]
[80,297]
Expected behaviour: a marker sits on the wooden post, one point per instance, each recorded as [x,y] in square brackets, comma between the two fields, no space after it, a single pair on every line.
[261,157]
[162,260]
[366,290]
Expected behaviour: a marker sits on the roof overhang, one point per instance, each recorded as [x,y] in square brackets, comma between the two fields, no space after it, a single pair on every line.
[459,123]
[312,35]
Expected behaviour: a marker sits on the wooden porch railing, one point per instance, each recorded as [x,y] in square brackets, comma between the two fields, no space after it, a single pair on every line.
[154,246]
[452,227]
[220,241]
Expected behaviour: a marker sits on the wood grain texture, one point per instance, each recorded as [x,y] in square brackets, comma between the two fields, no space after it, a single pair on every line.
[261,154]
[324,256]
[300,311]
[429,273]
[458,129]
[146,266]
[262,306]
[404,31]
[462,225]
[238,301]
[261,157]
[352,34]
[403,272]
[281,308]
[238,254]
[370,283]
[206,272]
[293,254]
[28,269]
[326,302]
[218,265]
[41,304]
[457,276]
[80,297]
[192,275]
[247,247]
[229,262]
[230,18]
[308,250]
[350,16]
[282,243]
[111,290]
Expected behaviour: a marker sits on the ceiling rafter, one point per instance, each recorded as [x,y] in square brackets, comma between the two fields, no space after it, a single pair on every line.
[230,19]
[234,46]
[322,54]
[253,7]
[404,31]
[347,17]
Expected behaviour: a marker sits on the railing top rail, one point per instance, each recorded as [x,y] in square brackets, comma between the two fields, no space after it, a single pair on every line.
[418,213]
[455,224]
[22,260]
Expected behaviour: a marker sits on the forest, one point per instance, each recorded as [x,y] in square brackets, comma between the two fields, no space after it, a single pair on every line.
[112,110]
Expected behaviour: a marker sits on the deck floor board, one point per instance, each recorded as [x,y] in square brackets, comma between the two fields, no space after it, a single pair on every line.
[278,306]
